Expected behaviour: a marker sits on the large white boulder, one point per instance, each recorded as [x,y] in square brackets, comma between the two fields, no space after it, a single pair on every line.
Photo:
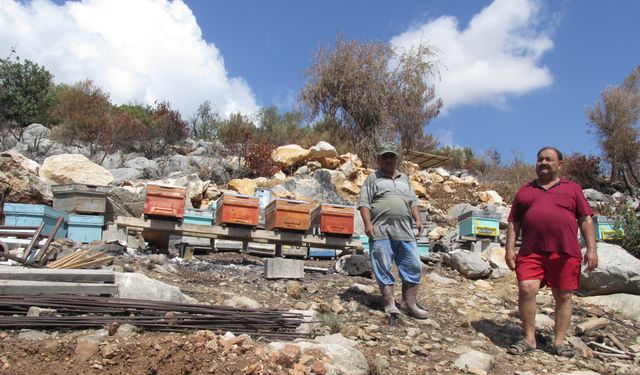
[289,155]
[21,175]
[322,150]
[617,272]
[74,169]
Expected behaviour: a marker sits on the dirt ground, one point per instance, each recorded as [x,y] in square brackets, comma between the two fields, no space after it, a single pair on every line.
[464,314]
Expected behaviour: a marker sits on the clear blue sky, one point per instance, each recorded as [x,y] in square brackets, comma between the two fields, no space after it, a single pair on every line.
[517,74]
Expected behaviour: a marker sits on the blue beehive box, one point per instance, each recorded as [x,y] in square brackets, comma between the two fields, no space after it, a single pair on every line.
[193,216]
[605,228]
[318,253]
[479,224]
[365,242]
[423,248]
[32,215]
[85,228]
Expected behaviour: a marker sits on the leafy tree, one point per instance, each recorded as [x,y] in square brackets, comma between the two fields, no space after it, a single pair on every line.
[615,120]
[370,92]
[166,128]
[83,112]
[205,122]
[583,169]
[25,94]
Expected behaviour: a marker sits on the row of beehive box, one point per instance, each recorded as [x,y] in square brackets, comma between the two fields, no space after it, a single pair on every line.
[238,209]
[81,206]
[487,224]
[280,214]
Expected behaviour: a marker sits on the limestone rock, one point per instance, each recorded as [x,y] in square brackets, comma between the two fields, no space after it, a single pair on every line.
[353,158]
[322,150]
[420,190]
[617,272]
[443,172]
[625,304]
[124,201]
[353,265]
[350,187]
[314,187]
[70,169]
[343,357]
[475,360]
[470,265]
[21,174]
[286,156]
[329,163]
[437,233]
[241,302]
[490,197]
[243,186]
[139,286]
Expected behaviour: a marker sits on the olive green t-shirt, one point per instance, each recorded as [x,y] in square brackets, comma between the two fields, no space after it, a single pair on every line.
[390,200]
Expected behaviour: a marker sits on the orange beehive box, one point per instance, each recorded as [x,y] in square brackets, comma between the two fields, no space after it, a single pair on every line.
[162,200]
[333,219]
[288,214]
[237,209]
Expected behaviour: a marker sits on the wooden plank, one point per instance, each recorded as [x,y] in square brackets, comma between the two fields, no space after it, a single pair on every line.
[67,259]
[91,263]
[44,250]
[60,275]
[591,325]
[238,233]
[34,240]
[82,259]
[48,287]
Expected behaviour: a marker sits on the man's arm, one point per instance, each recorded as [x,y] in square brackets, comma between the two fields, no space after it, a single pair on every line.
[513,231]
[589,234]
[415,212]
[365,212]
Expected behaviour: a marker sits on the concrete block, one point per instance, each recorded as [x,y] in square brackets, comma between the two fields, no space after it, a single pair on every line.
[280,268]
[114,233]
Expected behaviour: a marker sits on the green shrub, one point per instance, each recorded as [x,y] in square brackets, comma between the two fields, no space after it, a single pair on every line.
[628,220]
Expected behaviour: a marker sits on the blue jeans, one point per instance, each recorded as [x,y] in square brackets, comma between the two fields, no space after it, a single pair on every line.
[403,253]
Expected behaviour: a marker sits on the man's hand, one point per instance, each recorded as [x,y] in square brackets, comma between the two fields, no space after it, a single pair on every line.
[420,227]
[510,258]
[370,231]
[591,260]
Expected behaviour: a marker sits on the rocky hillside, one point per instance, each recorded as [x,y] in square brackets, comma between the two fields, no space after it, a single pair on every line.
[467,289]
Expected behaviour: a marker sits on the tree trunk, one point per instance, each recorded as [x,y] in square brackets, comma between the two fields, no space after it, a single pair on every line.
[633,174]
[627,182]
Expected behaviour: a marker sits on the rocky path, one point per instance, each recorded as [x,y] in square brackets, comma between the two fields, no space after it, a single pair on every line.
[471,324]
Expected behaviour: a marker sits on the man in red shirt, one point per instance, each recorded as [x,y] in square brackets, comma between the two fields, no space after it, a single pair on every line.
[547,212]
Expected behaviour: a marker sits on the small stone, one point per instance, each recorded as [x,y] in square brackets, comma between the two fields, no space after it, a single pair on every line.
[398,349]
[35,311]
[420,351]
[336,306]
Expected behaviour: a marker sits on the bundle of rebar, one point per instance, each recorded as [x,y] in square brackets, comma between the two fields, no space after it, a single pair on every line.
[88,311]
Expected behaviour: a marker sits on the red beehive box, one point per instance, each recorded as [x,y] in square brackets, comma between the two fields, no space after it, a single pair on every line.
[333,219]
[237,209]
[164,200]
[288,214]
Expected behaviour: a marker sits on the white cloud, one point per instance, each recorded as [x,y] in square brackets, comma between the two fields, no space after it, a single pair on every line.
[137,50]
[498,54]
[445,138]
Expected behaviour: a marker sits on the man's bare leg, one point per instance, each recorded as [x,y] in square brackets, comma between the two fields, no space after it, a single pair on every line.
[527,291]
[563,309]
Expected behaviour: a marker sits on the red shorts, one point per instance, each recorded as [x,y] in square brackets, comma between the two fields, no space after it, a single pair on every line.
[557,270]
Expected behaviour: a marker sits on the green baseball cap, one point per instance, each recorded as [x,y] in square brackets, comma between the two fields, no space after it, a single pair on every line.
[388,148]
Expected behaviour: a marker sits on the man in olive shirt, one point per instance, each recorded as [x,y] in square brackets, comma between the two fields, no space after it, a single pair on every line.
[389,206]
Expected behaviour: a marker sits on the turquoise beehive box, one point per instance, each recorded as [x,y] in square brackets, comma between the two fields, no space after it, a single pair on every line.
[200,217]
[32,215]
[479,224]
[85,228]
